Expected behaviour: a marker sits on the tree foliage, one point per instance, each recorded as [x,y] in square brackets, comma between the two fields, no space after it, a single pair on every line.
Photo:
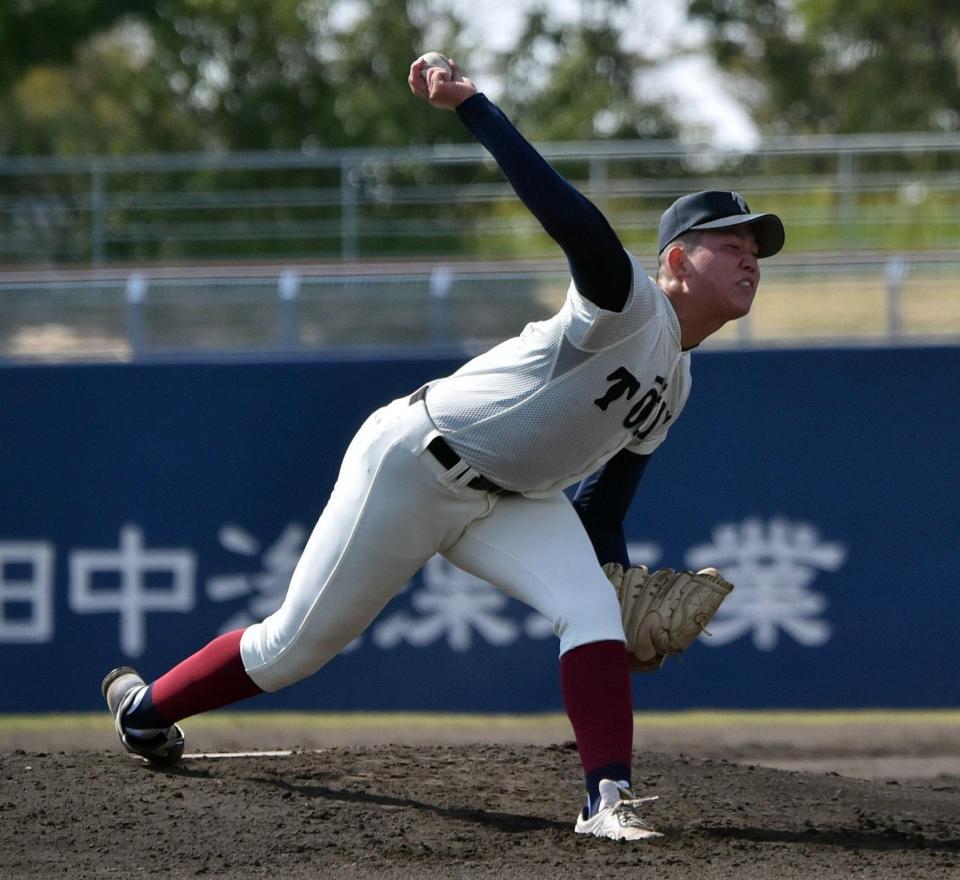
[51,31]
[64,83]
[215,74]
[105,76]
[577,81]
[840,66]
[368,71]
[124,76]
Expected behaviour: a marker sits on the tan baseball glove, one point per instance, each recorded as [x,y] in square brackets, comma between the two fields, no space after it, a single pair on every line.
[665,610]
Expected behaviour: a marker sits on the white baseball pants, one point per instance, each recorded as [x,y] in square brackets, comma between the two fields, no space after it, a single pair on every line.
[393,507]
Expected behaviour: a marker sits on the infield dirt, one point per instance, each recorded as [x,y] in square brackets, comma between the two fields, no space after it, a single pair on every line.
[464,810]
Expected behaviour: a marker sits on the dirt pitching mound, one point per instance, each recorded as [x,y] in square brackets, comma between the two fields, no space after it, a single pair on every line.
[455,811]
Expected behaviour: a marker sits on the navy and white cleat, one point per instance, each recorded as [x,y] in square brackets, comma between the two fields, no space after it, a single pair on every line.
[120,688]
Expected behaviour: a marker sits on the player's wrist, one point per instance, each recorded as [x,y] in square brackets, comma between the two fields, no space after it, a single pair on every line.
[451,95]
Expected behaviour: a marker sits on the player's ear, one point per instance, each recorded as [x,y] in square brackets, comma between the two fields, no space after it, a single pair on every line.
[676,259]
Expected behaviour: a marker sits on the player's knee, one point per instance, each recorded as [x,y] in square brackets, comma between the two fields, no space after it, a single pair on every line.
[597,622]
[274,661]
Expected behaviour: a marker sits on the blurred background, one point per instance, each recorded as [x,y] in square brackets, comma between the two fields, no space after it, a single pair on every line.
[213,176]
[228,231]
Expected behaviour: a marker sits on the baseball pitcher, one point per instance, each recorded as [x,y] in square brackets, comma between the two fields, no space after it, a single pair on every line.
[473,466]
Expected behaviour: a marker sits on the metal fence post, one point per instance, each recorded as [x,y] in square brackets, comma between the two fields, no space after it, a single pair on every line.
[288,288]
[349,219]
[441,281]
[847,188]
[895,273]
[97,219]
[598,180]
[136,293]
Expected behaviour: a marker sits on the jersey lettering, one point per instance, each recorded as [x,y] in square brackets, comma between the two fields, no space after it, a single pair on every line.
[623,382]
[661,413]
[641,411]
[645,411]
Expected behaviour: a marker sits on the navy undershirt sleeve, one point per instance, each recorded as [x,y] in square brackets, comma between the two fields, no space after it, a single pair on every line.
[602,501]
[599,265]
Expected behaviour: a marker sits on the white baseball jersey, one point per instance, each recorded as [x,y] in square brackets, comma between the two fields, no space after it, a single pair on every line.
[545,409]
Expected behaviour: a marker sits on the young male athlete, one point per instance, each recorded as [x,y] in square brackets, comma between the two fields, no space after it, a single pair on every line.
[473,466]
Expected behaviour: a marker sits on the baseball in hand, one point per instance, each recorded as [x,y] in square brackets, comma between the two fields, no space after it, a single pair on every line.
[434,59]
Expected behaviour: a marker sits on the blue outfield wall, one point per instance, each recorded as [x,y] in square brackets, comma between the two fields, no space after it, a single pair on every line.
[148,507]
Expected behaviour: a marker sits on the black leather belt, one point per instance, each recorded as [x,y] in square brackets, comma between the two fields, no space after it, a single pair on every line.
[441,451]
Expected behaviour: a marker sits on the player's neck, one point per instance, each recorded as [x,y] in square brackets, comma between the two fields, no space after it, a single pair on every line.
[692,333]
[695,325]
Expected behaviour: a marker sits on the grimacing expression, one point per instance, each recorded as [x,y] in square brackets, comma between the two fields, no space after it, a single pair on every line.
[726,270]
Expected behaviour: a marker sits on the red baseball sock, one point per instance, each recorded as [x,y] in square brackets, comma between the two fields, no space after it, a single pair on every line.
[209,679]
[595,679]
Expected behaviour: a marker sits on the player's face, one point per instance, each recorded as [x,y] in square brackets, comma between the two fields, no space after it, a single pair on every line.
[726,271]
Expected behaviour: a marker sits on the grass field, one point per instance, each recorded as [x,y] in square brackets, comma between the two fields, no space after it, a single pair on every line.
[467,722]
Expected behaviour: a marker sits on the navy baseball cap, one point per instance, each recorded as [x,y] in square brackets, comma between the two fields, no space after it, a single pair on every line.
[714,209]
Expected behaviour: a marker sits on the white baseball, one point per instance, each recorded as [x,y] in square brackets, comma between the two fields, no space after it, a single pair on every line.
[434,59]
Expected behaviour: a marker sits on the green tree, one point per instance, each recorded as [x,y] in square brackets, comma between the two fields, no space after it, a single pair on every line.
[839,66]
[284,74]
[369,63]
[249,71]
[110,100]
[64,86]
[51,31]
[216,74]
[577,81]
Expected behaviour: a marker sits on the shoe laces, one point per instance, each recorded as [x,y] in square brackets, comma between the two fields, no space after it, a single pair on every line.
[627,811]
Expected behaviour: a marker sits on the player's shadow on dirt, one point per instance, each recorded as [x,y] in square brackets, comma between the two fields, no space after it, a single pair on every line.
[509,822]
[883,839]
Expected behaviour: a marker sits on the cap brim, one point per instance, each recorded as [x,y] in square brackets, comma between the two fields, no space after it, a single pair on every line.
[767,229]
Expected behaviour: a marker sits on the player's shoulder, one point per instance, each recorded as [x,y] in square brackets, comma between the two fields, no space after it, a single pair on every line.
[642,293]
[645,294]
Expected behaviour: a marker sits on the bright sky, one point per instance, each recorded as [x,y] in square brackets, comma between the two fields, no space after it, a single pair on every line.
[656,27]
